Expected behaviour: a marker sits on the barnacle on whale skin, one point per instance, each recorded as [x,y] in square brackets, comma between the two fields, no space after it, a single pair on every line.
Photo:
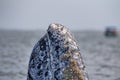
[56,56]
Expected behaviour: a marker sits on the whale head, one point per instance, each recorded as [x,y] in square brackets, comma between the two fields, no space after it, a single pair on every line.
[56,56]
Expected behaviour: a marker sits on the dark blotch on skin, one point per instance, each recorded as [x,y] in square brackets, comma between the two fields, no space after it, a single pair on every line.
[51,37]
[45,57]
[29,78]
[33,56]
[56,48]
[39,65]
[46,74]
[49,33]
[65,49]
[57,56]
[57,64]
[42,44]
[40,72]
[56,73]
[33,64]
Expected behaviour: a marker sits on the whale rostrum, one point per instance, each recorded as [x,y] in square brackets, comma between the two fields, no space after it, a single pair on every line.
[56,56]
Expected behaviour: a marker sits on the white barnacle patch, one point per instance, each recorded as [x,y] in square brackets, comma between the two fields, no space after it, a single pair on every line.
[73,47]
[76,55]
[80,64]
[69,34]
[68,39]
[53,26]
[74,43]
[63,31]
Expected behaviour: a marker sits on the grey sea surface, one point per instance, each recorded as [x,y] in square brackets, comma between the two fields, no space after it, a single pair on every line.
[101,55]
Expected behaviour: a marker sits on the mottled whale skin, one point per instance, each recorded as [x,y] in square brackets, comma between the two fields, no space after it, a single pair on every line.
[56,56]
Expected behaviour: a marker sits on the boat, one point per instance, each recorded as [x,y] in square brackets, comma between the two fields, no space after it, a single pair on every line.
[111,31]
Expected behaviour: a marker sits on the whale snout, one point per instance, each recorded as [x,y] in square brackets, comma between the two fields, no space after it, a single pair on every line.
[57,28]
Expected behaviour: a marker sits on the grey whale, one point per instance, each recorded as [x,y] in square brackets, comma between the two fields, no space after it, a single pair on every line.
[56,56]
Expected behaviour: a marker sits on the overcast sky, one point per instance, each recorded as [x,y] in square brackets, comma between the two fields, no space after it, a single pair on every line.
[75,14]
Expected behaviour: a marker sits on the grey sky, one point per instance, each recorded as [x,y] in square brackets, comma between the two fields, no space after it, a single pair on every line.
[75,14]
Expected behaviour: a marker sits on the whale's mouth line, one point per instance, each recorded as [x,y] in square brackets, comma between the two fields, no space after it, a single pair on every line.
[50,56]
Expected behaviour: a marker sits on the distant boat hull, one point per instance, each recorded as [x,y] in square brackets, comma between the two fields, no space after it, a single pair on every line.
[111,32]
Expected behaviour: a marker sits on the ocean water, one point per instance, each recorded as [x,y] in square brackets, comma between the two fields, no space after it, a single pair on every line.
[101,55]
